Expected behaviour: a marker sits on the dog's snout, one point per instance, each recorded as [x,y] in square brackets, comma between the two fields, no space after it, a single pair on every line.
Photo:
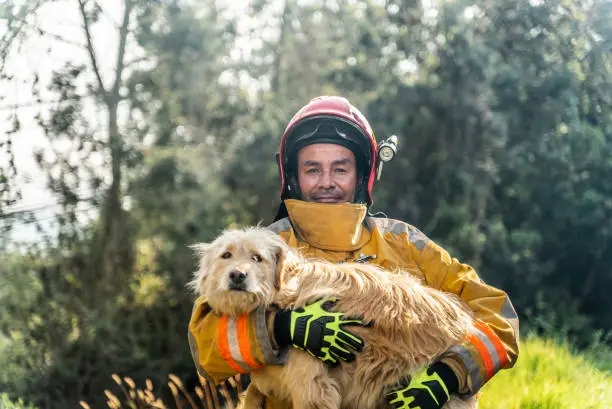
[237,276]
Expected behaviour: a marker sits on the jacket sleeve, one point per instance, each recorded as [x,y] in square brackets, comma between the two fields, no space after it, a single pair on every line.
[494,343]
[223,346]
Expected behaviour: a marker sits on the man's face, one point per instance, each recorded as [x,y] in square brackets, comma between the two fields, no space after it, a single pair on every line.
[327,173]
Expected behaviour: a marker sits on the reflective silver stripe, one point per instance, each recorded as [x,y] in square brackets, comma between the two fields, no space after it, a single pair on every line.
[507,310]
[415,236]
[514,323]
[280,226]
[484,338]
[470,364]
[263,338]
[232,342]
[509,314]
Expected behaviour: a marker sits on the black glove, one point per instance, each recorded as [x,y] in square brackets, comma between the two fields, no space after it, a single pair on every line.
[430,389]
[318,331]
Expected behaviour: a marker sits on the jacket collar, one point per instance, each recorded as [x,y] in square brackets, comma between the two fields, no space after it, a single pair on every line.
[329,226]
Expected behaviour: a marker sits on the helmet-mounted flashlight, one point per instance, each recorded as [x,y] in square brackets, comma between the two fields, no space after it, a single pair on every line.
[386,152]
[388,149]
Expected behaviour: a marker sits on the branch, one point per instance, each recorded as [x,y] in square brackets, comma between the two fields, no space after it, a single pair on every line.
[90,50]
[137,61]
[58,37]
[120,65]
[275,82]
[108,16]
[13,32]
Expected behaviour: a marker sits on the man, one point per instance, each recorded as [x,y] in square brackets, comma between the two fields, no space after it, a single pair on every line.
[328,162]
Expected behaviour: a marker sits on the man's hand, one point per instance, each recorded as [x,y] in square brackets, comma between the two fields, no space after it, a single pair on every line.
[430,389]
[318,331]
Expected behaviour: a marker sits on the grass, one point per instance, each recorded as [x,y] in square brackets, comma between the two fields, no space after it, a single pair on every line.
[548,375]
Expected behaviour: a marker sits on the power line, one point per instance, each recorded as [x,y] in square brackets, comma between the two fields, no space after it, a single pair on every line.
[23,206]
[34,104]
[23,223]
[38,208]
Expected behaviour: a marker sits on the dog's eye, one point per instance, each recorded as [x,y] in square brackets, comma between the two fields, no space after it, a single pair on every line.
[227,254]
[257,258]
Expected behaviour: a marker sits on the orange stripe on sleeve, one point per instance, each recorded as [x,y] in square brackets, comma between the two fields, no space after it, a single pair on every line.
[224,347]
[499,347]
[484,354]
[244,344]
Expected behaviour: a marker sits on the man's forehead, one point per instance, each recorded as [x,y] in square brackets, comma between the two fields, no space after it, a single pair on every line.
[343,161]
[326,151]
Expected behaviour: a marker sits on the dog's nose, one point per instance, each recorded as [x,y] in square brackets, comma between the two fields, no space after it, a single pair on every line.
[237,276]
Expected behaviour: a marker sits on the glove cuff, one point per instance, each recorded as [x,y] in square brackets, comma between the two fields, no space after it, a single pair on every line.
[282,331]
[448,377]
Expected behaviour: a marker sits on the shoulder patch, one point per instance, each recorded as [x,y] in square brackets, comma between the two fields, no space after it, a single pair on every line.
[415,236]
[280,226]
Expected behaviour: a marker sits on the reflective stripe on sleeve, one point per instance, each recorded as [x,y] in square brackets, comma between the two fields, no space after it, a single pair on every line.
[227,342]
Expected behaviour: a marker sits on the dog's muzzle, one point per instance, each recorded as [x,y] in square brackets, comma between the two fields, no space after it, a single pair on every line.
[237,280]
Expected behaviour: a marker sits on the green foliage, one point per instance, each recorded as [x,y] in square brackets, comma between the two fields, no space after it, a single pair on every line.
[6,403]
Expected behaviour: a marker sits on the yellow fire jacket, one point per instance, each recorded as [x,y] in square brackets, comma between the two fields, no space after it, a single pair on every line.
[223,347]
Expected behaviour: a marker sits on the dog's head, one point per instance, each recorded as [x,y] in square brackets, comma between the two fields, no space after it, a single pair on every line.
[239,270]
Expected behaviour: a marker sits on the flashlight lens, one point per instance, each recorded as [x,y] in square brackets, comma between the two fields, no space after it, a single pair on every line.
[386,153]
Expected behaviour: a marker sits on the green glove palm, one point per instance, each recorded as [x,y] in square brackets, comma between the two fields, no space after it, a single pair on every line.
[430,389]
[317,330]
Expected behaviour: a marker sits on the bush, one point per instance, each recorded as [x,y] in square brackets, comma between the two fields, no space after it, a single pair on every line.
[6,403]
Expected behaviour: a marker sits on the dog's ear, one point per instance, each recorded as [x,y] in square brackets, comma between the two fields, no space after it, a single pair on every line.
[201,250]
[284,258]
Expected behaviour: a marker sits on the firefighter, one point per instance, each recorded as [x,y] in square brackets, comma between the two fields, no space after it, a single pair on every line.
[328,161]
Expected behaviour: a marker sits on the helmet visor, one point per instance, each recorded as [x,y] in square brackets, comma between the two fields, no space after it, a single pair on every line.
[328,129]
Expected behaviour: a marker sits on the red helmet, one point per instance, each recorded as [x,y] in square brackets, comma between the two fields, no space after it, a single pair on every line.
[329,119]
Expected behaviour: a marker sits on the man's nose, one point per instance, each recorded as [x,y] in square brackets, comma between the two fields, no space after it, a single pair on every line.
[327,180]
[237,276]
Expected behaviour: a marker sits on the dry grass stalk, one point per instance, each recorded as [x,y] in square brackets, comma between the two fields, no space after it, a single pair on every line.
[207,392]
[209,398]
[228,396]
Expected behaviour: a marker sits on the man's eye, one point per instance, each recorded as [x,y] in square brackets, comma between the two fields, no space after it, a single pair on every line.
[257,258]
[311,170]
[340,170]
[227,254]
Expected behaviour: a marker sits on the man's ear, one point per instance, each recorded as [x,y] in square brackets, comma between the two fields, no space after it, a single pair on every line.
[202,252]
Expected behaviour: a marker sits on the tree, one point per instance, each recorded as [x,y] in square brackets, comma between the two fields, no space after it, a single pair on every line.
[105,312]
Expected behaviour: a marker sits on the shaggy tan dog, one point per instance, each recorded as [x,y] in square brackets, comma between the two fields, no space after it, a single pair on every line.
[409,323]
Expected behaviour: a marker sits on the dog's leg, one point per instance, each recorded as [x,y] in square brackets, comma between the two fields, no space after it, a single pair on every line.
[312,387]
[253,399]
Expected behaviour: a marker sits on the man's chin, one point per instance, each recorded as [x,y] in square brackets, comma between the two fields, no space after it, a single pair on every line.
[329,200]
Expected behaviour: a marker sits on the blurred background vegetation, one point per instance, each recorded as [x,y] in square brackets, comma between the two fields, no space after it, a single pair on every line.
[167,135]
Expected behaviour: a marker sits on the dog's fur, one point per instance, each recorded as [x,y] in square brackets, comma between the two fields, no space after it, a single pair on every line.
[409,324]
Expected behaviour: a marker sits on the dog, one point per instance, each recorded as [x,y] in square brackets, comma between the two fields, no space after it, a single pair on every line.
[407,324]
